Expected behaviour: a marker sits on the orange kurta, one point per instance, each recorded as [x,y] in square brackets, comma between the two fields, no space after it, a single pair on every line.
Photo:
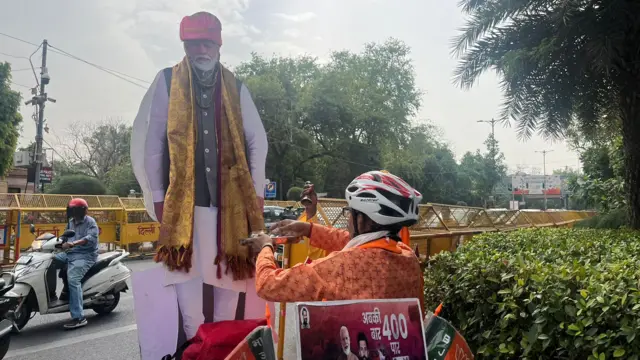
[366,272]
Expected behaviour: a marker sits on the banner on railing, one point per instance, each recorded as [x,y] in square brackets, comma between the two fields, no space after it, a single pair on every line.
[360,329]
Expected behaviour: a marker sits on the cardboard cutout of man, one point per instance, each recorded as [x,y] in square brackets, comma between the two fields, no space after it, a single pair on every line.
[198,151]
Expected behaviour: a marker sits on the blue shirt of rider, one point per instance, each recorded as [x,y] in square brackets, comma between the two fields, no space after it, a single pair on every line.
[86,229]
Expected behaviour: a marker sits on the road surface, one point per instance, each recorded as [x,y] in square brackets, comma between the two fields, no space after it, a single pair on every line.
[109,337]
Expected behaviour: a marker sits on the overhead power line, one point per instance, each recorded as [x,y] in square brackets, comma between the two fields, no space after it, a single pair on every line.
[115,73]
[18,39]
[24,86]
[13,56]
[118,74]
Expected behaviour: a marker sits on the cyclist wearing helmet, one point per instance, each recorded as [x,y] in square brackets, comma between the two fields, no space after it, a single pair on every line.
[81,252]
[369,261]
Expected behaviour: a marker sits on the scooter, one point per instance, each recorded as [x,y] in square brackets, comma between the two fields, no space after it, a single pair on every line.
[101,286]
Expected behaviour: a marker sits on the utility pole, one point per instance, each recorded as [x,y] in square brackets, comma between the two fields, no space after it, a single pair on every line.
[39,101]
[493,126]
[493,147]
[544,173]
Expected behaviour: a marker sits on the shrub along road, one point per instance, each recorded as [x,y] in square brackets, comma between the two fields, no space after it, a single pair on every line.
[543,294]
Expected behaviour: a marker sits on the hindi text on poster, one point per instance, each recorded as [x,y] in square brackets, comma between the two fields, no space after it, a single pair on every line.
[362,329]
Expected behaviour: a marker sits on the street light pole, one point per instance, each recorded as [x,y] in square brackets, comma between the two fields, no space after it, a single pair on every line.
[493,146]
[544,174]
[39,135]
[493,126]
[39,101]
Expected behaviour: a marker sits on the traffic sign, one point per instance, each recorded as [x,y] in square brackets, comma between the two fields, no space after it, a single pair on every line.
[270,190]
[46,175]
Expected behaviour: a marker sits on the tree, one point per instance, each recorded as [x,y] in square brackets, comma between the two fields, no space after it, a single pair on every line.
[78,185]
[426,163]
[95,148]
[10,119]
[121,180]
[30,148]
[601,185]
[479,174]
[560,63]
[277,86]
[328,123]
[361,104]
[99,150]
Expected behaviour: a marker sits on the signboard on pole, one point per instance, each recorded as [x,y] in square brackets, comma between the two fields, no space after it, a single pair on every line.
[536,184]
[370,329]
[270,190]
[46,175]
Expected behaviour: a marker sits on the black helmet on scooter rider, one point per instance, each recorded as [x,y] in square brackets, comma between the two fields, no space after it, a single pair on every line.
[77,208]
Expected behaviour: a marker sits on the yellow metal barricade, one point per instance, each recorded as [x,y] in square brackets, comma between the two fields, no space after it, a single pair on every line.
[48,214]
[124,221]
[9,228]
[444,227]
[137,226]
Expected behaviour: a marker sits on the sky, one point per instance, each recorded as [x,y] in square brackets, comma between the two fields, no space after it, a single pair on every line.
[140,37]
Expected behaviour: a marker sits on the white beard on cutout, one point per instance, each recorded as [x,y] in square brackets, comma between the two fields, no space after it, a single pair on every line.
[203,70]
[207,65]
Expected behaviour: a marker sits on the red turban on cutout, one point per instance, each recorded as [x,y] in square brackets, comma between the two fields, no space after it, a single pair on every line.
[201,26]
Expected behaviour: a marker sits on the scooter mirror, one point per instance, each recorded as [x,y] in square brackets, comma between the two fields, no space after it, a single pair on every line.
[32,228]
[69,234]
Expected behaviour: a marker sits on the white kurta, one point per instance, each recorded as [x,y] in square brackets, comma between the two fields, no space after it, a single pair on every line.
[148,143]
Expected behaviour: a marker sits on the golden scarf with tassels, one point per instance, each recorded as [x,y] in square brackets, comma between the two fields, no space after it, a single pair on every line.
[239,213]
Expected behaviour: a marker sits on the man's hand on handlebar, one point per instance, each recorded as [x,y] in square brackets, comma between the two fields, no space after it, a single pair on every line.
[66,245]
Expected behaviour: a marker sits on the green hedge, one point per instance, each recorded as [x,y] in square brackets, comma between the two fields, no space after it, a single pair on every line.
[614,219]
[294,193]
[543,294]
[78,185]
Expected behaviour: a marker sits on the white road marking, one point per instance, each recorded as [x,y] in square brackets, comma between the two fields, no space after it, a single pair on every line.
[71,341]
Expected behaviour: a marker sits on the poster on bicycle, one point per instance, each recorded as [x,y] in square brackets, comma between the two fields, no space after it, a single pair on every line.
[360,329]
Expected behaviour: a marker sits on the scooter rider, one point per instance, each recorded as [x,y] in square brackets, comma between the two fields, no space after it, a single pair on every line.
[80,254]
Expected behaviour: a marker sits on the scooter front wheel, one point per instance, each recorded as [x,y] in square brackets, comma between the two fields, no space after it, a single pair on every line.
[22,317]
[4,345]
[109,307]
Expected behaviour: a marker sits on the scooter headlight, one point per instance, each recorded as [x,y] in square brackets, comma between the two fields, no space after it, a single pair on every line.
[36,245]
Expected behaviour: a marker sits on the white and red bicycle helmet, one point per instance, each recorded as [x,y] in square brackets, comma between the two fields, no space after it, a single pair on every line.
[384,198]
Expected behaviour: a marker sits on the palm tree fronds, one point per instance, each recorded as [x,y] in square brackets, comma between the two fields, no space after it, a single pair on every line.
[557,60]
